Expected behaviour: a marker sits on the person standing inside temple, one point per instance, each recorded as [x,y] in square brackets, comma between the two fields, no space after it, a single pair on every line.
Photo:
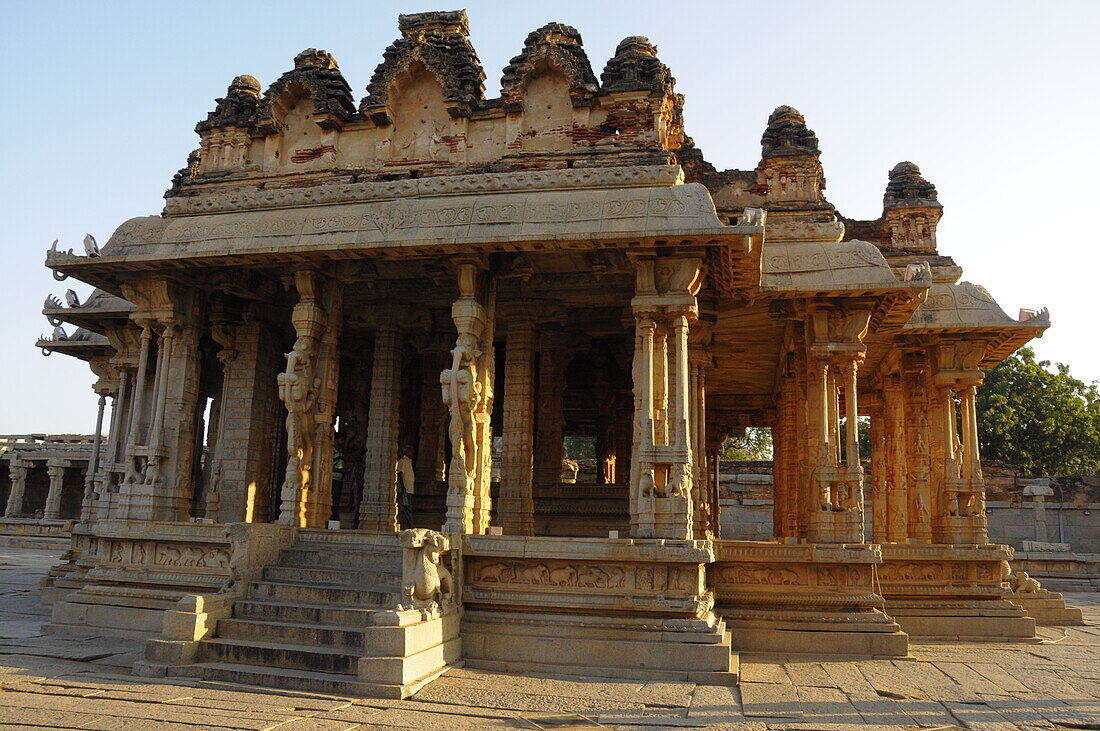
[337,475]
[406,486]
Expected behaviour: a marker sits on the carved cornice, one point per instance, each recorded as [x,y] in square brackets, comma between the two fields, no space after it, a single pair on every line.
[569,179]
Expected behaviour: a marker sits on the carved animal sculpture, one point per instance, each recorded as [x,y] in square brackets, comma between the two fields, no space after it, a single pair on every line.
[497,572]
[592,576]
[564,576]
[431,580]
[1024,584]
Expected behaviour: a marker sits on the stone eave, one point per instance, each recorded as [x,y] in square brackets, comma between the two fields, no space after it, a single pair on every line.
[82,344]
[100,307]
[967,309]
[546,220]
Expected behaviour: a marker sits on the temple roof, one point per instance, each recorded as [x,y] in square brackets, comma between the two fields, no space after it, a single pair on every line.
[541,210]
[969,309]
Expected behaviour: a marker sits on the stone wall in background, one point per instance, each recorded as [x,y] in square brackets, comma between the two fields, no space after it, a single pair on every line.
[1071,515]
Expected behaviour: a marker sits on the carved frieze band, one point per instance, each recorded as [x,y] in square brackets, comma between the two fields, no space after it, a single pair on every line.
[126,553]
[582,575]
[779,577]
[615,177]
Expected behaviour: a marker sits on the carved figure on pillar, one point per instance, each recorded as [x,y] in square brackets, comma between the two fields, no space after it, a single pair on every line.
[308,390]
[298,390]
[468,396]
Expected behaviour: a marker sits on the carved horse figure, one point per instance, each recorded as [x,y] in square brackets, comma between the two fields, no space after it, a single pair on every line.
[426,580]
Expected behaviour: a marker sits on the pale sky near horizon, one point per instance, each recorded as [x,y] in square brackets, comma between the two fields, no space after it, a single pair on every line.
[996,101]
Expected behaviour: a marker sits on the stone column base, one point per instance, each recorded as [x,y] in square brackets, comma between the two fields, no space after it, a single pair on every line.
[640,648]
[1047,608]
[617,608]
[941,591]
[803,598]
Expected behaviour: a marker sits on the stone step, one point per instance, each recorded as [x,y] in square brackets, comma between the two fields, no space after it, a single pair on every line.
[338,596]
[377,580]
[291,633]
[277,655]
[330,683]
[337,557]
[303,613]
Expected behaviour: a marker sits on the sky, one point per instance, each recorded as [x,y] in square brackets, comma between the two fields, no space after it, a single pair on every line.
[996,101]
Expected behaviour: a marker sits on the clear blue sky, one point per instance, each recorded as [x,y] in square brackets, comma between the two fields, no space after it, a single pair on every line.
[996,101]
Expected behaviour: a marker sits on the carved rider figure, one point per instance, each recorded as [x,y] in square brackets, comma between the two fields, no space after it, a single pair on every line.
[298,390]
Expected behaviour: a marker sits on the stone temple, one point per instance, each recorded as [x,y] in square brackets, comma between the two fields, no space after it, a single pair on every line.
[412,299]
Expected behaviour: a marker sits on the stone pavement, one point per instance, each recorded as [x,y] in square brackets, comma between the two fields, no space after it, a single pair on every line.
[48,682]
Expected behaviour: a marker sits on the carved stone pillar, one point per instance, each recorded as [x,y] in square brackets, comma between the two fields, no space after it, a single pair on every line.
[550,436]
[431,441]
[308,389]
[55,468]
[705,509]
[897,494]
[879,471]
[378,510]
[661,474]
[467,388]
[960,504]
[835,347]
[160,464]
[87,505]
[917,447]
[517,506]
[17,470]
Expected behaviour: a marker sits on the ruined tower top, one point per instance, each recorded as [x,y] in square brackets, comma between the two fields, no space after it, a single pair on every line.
[787,134]
[438,21]
[908,189]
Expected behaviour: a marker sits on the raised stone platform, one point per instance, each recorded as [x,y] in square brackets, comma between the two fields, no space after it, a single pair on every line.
[803,598]
[951,592]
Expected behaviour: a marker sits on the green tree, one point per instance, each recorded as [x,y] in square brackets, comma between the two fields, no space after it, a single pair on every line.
[755,445]
[1046,421]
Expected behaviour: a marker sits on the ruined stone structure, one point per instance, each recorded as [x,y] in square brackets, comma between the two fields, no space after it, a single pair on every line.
[43,478]
[428,270]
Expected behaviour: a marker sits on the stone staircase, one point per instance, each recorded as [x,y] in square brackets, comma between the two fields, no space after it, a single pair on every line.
[323,618]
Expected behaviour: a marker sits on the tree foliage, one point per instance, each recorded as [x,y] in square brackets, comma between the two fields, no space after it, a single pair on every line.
[755,445]
[1046,421]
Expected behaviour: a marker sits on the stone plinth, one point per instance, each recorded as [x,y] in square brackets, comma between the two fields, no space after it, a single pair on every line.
[948,591]
[1061,570]
[589,606]
[141,568]
[803,598]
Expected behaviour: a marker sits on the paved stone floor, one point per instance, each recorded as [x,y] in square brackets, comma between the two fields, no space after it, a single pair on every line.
[48,682]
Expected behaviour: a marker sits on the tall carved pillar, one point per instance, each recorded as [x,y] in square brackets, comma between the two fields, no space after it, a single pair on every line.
[960,505]
[661,473]
[160,454]
[175,421]
[516,510]
[431,441]
[378,510]
[224,334]
[549,440]
[879,471]
[834,339]
[55,468]
[468,396]
[788,484]
[897,494]
[308,389]
[87,505]
[17,469]
[705,509]
[917,447]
